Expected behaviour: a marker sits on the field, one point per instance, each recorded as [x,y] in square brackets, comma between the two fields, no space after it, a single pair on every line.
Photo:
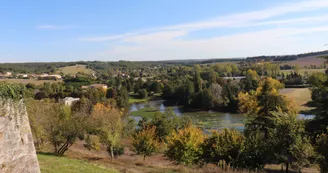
[27,81]
[303,71]
[72,70]
[306,61]
[56,164]
[301,96]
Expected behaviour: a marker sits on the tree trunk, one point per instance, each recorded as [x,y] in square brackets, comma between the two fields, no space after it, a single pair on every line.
[144,158]
[287,165]
[112,152]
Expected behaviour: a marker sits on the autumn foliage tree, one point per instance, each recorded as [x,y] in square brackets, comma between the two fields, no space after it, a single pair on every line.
[184,146]
[260,104]
[223,146]
[107,125]
[145,141]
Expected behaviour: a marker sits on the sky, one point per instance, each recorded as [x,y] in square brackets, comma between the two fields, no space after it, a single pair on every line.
[112,30]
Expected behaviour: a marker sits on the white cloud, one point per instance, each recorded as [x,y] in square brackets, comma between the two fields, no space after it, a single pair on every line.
[287,35]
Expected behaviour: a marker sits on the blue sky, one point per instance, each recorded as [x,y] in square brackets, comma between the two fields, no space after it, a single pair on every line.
[111,30]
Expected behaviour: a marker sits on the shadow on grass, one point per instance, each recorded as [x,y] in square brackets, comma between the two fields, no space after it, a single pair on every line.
[49,154]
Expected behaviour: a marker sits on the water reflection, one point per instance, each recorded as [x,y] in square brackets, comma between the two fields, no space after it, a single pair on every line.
[207,120]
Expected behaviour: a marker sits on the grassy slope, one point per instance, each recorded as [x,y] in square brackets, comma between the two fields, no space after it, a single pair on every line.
[301,96]
[56,164]
[74,69]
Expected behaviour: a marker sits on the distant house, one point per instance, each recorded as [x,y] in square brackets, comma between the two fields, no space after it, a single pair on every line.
[22,75]
[68,101]
[5,75]
[97,86]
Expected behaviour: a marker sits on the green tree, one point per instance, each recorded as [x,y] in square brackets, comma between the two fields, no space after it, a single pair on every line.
[64,127]
[143,94]
[144,141]
[255,152]
[111,93]
[319,83]
[165,123]
[251,80]
[197,81]
[156,87]
[322,149]
[291,147]
[123,98]
[168,91]
[212,77]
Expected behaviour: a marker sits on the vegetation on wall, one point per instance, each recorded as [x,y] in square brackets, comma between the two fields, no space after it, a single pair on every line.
[12,91]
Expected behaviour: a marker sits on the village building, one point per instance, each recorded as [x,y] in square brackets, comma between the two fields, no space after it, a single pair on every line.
[68,101]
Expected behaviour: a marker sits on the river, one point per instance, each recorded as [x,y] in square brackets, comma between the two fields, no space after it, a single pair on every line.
[207,120]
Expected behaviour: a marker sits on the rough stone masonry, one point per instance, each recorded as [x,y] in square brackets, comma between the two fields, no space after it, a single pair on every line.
[17,152]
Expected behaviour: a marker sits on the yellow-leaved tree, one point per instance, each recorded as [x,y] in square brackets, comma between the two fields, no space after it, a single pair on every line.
[260,105]
[145,141]
[184,146]
[107,125]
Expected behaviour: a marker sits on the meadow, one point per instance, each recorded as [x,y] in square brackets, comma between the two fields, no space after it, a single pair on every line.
[72,70]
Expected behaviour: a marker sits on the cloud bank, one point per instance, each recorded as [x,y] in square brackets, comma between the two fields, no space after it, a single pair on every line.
[266,31]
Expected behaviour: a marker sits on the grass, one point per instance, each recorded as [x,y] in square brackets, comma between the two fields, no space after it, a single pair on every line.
[56,164]
[145,112]
[136,100]
[27,81]
[72,70]
[301,96]
[302,71]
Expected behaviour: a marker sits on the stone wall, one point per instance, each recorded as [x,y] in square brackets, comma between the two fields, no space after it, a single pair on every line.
[17,152]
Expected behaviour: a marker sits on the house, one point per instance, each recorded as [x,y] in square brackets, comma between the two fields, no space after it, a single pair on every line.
[22,75]
[68,101]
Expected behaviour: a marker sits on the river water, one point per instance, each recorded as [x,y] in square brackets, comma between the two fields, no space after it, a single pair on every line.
[207,120]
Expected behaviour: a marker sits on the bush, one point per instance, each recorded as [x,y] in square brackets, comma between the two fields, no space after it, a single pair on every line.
[144,142]
[223,146]
[143,94]
[184,146]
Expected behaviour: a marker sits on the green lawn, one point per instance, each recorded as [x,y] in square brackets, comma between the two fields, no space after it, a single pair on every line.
[56,164]
[145,112]
[136,100]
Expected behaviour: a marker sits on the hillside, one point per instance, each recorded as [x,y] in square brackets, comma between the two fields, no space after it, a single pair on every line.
[306,61]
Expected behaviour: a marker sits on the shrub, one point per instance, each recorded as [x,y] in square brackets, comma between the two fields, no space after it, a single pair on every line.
[143,94]
[223,146]
[184,146]
[144,141]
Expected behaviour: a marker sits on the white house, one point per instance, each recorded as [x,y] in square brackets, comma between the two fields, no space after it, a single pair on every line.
[68,101]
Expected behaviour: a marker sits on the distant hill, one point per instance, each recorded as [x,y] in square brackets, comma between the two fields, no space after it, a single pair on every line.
[306,61]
